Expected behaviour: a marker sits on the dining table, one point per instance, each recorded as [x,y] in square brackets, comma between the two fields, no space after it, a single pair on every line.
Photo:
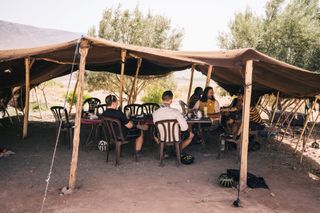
[199,122]
[95,123]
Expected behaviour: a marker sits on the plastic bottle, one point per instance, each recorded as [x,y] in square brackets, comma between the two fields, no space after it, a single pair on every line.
[223,142]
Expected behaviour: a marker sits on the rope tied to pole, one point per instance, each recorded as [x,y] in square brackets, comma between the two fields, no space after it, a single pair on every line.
[76,53]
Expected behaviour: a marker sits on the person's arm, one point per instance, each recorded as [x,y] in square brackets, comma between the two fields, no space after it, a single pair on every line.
[182,122]
[129,125]
[217,107]
[196,105]
[125,121]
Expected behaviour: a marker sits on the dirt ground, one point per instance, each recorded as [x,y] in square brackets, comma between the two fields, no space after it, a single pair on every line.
[144,186]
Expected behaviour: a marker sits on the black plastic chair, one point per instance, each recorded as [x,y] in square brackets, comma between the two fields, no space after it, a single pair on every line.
[92,105]
[113,133]
[149,108]
[168,134]
[184,107]
[61,116]
[131,110]
[101,108]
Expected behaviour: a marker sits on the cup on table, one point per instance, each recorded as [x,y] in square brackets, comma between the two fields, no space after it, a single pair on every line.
[205,111]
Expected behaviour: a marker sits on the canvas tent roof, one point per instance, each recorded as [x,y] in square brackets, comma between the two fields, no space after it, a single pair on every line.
[53,60]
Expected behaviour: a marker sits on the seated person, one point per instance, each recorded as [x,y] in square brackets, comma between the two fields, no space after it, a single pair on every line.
[195,97]
[232,115]
[130,131]
[209,102]
[256,122]
[165,112]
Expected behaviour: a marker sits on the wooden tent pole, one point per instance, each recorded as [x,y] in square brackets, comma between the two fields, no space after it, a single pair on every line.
[245,125]
[310,132]
[305,124]
[258,102]
[123,61]
[291,119]
[139,61]
[275,107]
[265,104]
[210,69]
[84,47]
[190,84]
[73,94]
[262,102]
[27,64]
[283,111]
[287,117]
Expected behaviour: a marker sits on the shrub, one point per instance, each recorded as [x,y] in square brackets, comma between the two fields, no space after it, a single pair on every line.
[69,97]
[153,95]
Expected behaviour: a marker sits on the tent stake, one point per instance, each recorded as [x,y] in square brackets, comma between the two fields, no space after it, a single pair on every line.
[305,124]
[139,61]
[245,126]
[190,84]
[84,47]
[210,69]
[123,61]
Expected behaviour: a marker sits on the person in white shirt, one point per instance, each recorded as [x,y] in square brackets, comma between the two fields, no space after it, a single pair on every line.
[165,112]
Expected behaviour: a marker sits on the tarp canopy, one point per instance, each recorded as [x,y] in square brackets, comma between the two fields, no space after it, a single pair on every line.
[53,59]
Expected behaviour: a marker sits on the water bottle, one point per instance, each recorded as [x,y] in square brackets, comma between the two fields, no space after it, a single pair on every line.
[223,142]
[199,114]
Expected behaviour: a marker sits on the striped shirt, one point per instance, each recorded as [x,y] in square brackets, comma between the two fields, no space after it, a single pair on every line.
[255,115]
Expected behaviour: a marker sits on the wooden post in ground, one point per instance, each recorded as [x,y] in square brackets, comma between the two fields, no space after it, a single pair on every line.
[123,61]
[27,63]
[84,47]
[210,70]
[139,61]
[307,139]
[305,124]
[190,84]
[275,108]
[245,125]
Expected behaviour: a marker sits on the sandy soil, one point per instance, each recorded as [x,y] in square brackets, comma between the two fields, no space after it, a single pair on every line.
[144,186]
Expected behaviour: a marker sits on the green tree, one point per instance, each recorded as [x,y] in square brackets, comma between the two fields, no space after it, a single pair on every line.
[290,32]
[133,27]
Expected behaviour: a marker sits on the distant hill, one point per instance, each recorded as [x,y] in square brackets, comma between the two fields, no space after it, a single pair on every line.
[16,36]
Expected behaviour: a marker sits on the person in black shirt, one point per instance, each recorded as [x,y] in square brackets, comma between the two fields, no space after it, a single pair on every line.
[195,97]
[130,131]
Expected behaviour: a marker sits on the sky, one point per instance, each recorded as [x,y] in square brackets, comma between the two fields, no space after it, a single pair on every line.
[202,20]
